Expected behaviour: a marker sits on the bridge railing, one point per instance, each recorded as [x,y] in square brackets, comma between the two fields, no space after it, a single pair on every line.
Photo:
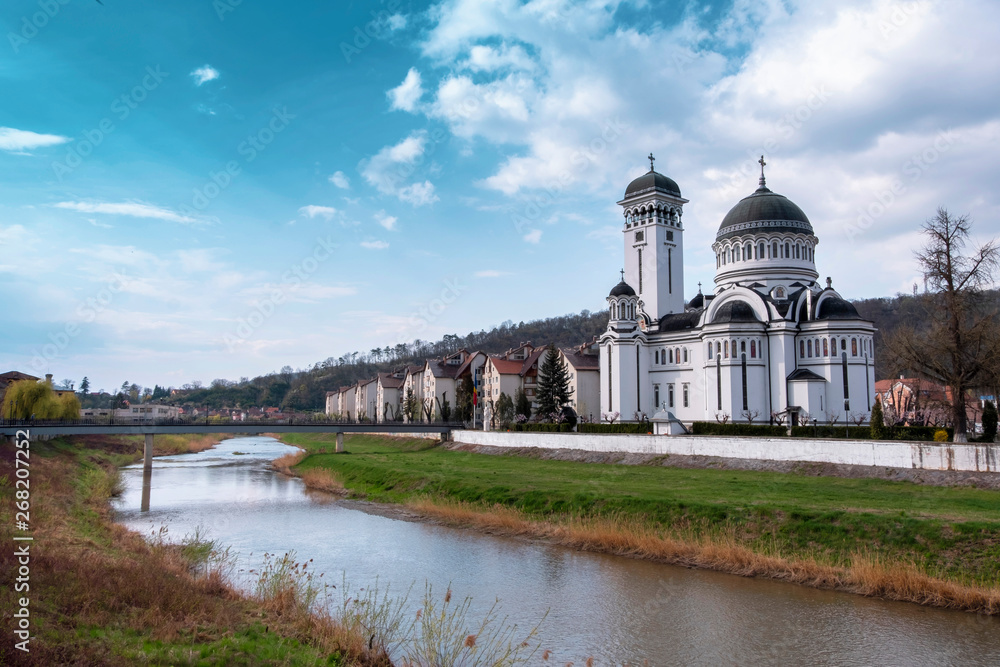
[211,421]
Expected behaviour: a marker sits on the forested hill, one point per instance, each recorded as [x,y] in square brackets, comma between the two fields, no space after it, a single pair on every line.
[305,389]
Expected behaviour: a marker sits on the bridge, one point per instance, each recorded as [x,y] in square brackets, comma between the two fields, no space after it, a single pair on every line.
[29,428]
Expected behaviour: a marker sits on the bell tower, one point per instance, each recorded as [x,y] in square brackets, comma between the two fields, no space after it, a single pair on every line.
[654,242]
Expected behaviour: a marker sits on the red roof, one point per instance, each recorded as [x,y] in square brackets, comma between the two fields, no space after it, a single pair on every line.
[506,367]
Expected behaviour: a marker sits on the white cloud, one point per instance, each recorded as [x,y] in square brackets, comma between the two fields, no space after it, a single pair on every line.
[397,22]
[340,180]
[102,225]
[387,221]
[487,58]
[491,273]
[374,245]
[406,95]
[18,141]
[204,74]
[135,209]
[418,194]
[534,236]
[313,211]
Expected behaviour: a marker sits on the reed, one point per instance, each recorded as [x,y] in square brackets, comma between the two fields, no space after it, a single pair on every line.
[323,480]
[288,461]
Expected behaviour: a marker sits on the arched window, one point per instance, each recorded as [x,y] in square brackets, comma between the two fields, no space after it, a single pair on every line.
[725,349]
[743,347]
[826,348]
[809,348]
[612,311]
[774,250]
[671,356]
[802,348]
[760,250]
[854,347]
[787,253]
[753,349]
[816,343]
[621,311]
[656,356]
[677,355]
[736,254]
[718,348]
[843,344]
[711,351]
[685,355]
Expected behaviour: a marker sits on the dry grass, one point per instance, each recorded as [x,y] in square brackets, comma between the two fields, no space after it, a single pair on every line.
[288,461]
[864,575]
[323,480]
[169,444]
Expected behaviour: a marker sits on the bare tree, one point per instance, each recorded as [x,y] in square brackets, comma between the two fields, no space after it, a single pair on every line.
[722,417]
[750,415]
[961,328]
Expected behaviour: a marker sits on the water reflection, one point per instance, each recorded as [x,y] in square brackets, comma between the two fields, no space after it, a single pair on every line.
[614,609]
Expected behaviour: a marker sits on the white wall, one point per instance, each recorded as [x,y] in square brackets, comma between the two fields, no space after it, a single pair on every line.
[925,456]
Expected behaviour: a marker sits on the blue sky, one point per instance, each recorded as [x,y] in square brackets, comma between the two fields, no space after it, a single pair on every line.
[195,190]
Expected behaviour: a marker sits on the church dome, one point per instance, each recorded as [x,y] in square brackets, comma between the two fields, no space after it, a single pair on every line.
[622,289]
[735,311]
[653,180]
[836,308]
[764,211]
[698,301]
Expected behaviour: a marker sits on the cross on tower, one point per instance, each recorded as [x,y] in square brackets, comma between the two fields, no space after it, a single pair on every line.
[651,161]
[761,163]
[623,275]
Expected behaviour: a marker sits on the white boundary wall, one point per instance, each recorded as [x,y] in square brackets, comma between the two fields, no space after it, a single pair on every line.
[926,456]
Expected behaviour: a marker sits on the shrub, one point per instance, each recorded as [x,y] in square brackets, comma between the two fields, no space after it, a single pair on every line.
[828,431]
[711,428]
[878,429]
[989,422]
[641,428]
[940,435]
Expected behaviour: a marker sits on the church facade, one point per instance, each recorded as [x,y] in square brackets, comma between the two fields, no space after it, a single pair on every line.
[768,342]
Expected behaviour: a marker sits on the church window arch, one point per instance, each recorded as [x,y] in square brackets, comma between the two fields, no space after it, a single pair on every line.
[685,355]
[802,349]
[854,347]
[711,350]
[743,347]
[725,349]
[671,356]
[774,250]
[612,311]
[809,348]
[656,357]
[826,348]
[787,254]
[621,311]
[753,349]
[677,355]
[737,253]
[843,345]
[760,250]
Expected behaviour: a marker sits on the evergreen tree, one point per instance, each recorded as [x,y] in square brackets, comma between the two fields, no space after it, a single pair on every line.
[989,422]
[85,385]
[553,384]
[522,406]
[879,431]
[505,410]
[410,407]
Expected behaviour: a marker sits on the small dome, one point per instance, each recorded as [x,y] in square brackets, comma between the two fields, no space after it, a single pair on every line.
[622,289]
[735,311]
[698,301]
[652,180]
[764,211]
[836,308]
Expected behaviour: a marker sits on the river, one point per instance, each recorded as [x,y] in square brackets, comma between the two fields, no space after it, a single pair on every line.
[616,610]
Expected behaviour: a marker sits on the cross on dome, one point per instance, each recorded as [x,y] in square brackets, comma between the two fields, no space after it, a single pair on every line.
[762,164]
[651,161]
[623,275]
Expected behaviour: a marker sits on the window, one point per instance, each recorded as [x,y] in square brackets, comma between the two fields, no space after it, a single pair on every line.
[787,254]
[760,250]
[802,348]
[809,348]
[736,250]
[677,355]
[685,395]
[725,348]
[718,347]
[826,351]
[657,356]
[670,235]
[685,355]
[843,345]
[854,347]
[670,395]
[656,395]
[748,251]
[639,236]
[671,356]
[753,349]
[710,351]
[779,293]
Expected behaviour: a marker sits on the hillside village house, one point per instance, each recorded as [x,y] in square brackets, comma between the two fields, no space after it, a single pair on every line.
[917,402]
[769,340]
[387,403]
[584,366]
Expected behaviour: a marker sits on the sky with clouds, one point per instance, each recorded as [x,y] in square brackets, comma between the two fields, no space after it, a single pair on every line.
[193,190]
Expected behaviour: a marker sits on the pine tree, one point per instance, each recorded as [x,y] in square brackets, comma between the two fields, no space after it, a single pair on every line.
[463,400]
[85,385]
[553,384]
[410,407]
[522,406]
[879,431]
[989,422]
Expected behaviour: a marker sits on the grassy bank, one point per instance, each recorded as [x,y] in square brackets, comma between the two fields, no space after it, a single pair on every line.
[101,594]
[932,545]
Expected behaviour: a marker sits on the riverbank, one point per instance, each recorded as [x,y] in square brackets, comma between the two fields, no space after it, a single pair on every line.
[102,594]
[931,545]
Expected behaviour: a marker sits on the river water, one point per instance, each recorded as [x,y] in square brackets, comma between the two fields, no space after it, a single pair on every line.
[613,609]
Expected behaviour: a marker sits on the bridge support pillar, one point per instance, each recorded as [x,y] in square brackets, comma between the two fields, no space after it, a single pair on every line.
[147,471]
[340,442]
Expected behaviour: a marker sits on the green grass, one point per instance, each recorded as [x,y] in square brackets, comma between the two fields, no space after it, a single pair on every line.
[951,532]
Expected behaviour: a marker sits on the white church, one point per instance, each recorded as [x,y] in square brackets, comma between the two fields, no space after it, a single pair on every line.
[770,341]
